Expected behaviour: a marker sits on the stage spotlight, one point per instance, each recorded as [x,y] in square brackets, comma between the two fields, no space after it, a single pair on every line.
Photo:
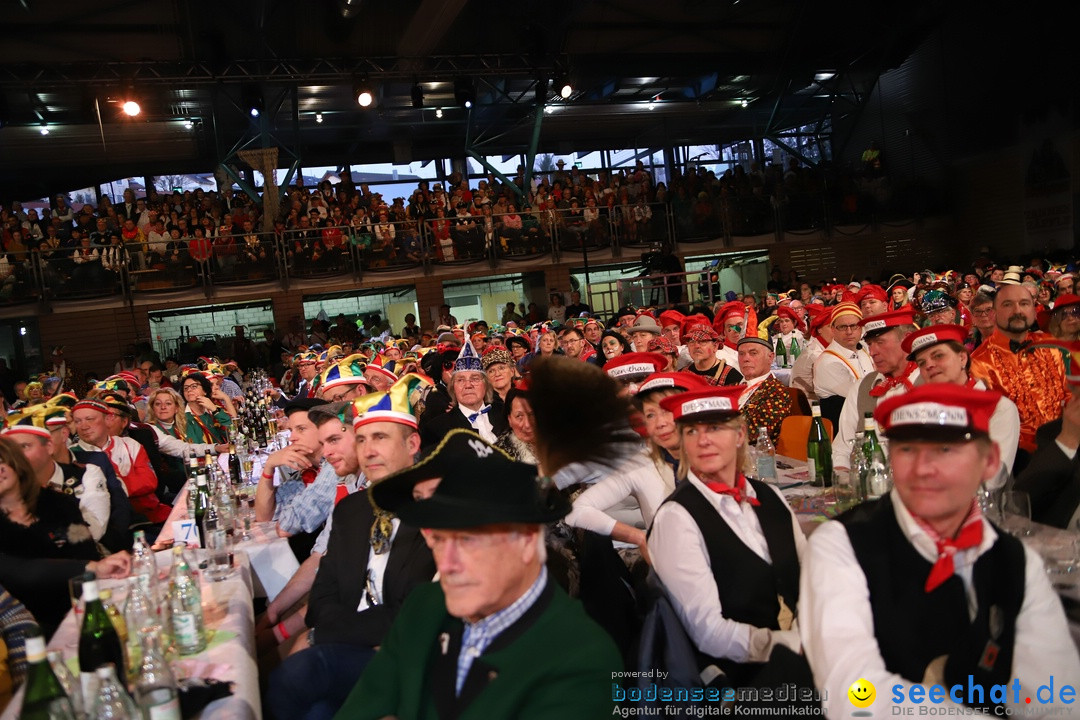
[318,117]
[252,99]
[464,94]
[44,130]
[438,112]
[189,124]
[364,92]
[131,108]
[417,96]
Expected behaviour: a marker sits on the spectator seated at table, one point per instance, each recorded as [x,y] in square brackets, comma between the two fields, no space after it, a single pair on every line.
[765,401]
[918,588]
[297,485]
[47,527]
[371,563]
[1052,478]
[496,638]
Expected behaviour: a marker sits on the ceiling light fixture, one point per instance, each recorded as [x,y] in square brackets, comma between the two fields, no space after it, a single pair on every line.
[438,112]
[364,92]
[745,103]
[189,124]
[318,117]
[44,130]
[131,108]
[464,93]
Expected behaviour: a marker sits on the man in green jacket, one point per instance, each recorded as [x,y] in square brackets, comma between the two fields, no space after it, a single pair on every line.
[495,638]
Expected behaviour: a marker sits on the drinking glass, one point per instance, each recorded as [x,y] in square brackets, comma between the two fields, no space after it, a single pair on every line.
[217,549]
[1018,503]
[846,489]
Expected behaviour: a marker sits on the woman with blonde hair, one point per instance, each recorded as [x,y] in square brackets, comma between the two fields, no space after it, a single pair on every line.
[739,532]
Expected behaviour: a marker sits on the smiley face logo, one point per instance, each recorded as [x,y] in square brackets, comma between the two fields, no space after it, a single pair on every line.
[861,693]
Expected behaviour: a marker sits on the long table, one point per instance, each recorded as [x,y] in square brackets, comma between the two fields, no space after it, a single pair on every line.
[230,653]
[272,559]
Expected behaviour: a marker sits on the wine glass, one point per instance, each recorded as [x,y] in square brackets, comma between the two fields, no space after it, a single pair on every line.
[1018,503]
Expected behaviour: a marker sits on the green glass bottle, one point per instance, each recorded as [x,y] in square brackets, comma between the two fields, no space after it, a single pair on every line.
[99,643]
[45,698]
[819,451]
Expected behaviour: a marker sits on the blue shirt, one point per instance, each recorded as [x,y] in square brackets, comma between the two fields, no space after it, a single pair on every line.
[479,635]
[303,508]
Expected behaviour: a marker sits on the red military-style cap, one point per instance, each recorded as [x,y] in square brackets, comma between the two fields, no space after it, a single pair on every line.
[684,381]
[877,324]
[937,412]
[633,366]
[720,402]
[918,341]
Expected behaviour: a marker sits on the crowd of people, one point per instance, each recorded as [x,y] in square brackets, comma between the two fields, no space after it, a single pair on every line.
[524,463]
[184,237]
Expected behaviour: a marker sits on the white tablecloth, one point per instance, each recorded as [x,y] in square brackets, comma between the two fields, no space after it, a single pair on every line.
[227,611]
[272,559]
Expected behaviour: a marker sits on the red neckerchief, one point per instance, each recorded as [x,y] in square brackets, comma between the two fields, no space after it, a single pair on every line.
[971,382]
[733,347]
[309,475]
[969,536]
[738,492]
[341,493]
[889,383]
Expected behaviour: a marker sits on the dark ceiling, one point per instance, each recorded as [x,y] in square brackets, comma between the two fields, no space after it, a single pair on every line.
[644,72]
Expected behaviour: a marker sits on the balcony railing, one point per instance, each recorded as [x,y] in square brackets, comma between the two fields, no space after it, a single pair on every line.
[92,271]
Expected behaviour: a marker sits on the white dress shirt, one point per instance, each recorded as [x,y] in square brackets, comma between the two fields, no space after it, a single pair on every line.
[482,424]
[802,371]
[681,559]
[376,570]
[851,421]
[639,478]
[835,376]
[837,622]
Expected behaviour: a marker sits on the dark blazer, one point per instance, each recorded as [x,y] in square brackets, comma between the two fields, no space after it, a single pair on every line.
[1051,479]
[339,584]
[434,428]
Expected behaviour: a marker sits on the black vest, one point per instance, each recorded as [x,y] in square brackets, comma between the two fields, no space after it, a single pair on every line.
[913,627]
[748,586]
[72,478]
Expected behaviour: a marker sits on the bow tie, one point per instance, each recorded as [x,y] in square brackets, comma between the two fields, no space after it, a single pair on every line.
[482,411]
[1016,347]
[738,493]
[970,535]
[889,383]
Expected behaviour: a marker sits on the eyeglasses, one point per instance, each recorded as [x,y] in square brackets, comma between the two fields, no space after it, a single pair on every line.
[984,311]
[1072,311]
[846,328]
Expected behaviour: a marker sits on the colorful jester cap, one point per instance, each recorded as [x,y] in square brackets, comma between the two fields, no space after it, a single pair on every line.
[31,420]
[347,371]
[468,360]
[382,366]
[305,358]
[395,405]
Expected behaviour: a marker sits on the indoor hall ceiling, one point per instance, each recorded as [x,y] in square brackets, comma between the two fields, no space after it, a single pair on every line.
[714,71]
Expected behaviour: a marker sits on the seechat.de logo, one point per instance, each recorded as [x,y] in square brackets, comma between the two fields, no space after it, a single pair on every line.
[862,695]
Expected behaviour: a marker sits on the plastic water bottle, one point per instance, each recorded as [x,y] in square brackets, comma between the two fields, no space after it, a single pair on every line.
[765,456]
